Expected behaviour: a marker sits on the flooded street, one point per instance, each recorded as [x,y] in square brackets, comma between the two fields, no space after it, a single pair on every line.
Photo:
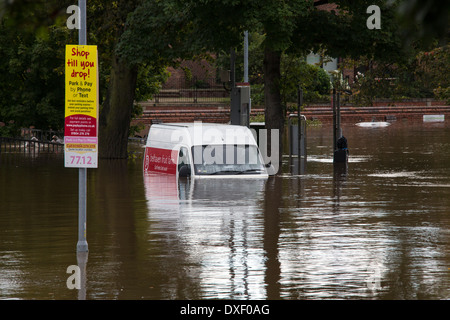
[376,229]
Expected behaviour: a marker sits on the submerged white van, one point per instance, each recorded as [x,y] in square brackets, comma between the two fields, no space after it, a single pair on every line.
[203,150]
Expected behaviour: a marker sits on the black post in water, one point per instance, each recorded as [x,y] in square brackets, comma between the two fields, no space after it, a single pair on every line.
[300,103]
[333,105]
[340,152]
[337,132]
[338,117]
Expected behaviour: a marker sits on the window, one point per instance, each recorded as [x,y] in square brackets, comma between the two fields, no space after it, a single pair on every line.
[226,159]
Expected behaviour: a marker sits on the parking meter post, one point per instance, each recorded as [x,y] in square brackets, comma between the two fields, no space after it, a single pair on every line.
[333,105]
[299,122]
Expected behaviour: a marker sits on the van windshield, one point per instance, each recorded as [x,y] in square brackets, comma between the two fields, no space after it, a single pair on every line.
[226,160]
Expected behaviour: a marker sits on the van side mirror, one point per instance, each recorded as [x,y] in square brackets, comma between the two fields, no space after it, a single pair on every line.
[185,171]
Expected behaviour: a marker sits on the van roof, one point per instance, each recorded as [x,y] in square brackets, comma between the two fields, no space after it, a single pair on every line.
[193,124]
[210,133]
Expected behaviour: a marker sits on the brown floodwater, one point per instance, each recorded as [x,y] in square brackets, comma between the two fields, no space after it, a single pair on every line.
[378,228]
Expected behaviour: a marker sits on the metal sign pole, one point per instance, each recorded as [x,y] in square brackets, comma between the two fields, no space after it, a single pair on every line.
[82,245]
[246,56]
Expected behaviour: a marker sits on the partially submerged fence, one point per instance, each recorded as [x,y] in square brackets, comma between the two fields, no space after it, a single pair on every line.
[33,141]
[16,145]
[42,135]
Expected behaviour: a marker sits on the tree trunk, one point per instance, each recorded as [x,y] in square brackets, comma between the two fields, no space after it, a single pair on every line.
[274,110]
[115,115]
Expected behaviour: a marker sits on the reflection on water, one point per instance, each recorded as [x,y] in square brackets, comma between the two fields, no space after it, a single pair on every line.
[375,228]
[216,224]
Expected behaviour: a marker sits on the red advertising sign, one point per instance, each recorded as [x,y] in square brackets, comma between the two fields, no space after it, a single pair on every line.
[160,160]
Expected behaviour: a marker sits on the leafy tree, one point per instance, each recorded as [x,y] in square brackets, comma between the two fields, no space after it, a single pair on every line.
[314,81]
[426,20]
[423,75]
[32,44]
[432,71]
[32,65]
[32,73]
[255,59]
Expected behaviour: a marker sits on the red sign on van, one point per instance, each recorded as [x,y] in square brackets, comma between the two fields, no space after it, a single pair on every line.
[160,160]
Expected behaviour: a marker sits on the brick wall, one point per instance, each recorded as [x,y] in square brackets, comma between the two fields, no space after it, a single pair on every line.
[409,112]
[178,114]
[381,111]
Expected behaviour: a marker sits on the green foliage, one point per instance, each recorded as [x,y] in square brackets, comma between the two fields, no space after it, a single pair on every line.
[279,20]
[10,129]
[218,25]
[442,94]
[32,65]
[32,74]
[314,81]
[425,19]
[156,33]
[432,71]
[294,28]
[424,76]
[149,80]
[257,118]
[257,94]
[295,72]
[343,32]
[34,18]
[255,59]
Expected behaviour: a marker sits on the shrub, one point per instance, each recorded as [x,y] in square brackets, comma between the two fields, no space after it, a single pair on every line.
[314,81]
